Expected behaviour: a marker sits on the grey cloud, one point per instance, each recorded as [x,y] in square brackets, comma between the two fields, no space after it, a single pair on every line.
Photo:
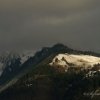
[37,23]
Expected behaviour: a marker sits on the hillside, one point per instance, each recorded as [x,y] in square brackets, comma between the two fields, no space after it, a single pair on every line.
[47,83]
[57,73]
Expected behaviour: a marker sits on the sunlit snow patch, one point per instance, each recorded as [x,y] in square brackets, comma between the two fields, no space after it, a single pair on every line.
[75,60]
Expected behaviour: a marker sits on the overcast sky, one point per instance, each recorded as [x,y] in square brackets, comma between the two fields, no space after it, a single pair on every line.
[32,24]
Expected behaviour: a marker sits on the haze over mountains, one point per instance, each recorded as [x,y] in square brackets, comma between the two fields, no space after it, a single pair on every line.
[20,71]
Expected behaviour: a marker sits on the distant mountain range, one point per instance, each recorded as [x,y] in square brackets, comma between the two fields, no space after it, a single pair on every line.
[11,63]
[30,73]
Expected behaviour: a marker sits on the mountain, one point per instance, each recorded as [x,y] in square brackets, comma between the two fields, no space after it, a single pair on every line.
[54,73]
[11,62]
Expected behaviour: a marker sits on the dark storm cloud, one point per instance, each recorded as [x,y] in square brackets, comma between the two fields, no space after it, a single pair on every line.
[37,23]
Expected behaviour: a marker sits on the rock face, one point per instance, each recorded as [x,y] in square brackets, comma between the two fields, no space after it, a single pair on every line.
[71,60]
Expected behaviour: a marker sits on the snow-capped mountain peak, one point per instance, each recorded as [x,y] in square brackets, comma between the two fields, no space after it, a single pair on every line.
[73,60]
[9,58]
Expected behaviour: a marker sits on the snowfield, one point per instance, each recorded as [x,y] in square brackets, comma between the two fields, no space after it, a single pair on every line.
[75,60]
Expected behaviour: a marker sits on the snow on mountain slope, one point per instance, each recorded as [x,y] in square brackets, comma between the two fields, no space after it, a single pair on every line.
[7,57]
[26,55]
[66,60]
